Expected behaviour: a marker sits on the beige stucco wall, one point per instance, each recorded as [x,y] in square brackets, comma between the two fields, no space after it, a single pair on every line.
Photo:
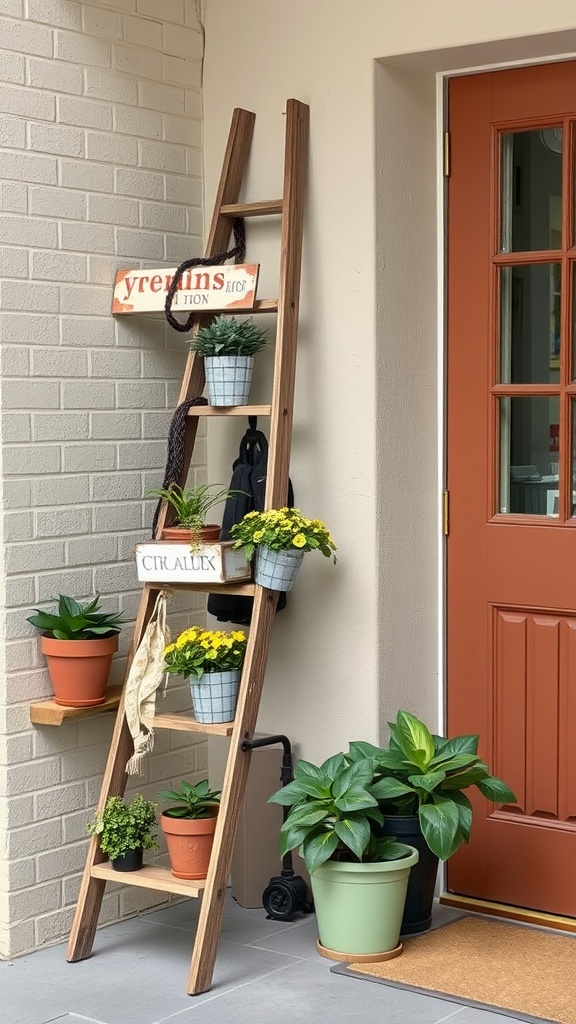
[362,639]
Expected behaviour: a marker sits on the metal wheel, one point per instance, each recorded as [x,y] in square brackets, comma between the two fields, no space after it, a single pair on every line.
[280,900]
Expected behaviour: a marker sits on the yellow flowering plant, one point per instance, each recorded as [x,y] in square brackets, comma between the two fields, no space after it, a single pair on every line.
[281,529]
[198,651]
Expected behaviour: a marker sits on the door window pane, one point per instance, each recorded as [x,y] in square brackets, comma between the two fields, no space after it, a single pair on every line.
[531,169]
[530,324]
[529,455]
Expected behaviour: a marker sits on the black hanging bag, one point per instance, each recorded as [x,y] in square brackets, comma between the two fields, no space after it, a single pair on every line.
[249,479]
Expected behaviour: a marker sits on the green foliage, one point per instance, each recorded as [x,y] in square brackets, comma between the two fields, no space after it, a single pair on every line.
[282,529]
[75,621]
[227,336]
[191,504]
[424,774]
[121,827]
[332,811]
[199,651]
[196,801]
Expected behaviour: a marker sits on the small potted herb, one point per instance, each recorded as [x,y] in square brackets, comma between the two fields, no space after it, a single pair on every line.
[78,641]
[228,346]
[125,830]
[212,661]
[189,825]
[280,538]
[190,507]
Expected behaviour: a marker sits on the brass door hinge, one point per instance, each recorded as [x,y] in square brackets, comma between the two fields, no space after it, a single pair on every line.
[445,513]
[446,154]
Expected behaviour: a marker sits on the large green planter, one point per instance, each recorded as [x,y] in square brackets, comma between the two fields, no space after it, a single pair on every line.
[359,907]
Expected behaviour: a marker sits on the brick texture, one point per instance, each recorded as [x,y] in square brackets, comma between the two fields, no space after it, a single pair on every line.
[100,105]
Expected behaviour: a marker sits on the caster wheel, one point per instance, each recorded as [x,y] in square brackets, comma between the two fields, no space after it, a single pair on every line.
[280,900]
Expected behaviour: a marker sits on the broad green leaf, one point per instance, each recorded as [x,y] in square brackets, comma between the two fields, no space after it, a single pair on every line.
[464,813]
[389,760]
[459,840]
[459,745]
[414,738]
[333,765]
[496,790]
[374,814]
[293,836]
[307,770]
[358,750]
[427,782]
[308,813]
[355,799]
[461,780]
[453,762]
[439,822]
[59,635]
[354,833]
[358,774]
[169,794]
[388,848]
[296,791]
[318,849]
[388,789]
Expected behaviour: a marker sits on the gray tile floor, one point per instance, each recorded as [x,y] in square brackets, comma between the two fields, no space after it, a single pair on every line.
[267,972]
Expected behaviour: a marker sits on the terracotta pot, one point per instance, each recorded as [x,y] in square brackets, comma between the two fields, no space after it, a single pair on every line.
[182,535]
[79,669]
[189,843]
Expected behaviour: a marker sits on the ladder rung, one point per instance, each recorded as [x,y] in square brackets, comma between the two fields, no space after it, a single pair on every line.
[243,589]
[151,876]
[230,410]
[262,209]
[185,722]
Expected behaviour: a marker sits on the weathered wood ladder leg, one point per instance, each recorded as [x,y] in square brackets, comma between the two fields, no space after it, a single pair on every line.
[210,922]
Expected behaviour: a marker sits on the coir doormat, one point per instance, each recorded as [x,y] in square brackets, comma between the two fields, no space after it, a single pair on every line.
[518,971]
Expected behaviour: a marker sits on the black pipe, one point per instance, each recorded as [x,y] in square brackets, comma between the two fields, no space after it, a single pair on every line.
[286,776]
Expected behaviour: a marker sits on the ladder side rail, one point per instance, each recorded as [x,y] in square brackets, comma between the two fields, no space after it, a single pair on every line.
[114,781]
[233,788]
[209,924]
[295,163]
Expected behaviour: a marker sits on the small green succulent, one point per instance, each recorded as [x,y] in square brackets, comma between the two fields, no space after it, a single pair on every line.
[196,801]
[227,336]
[75,621]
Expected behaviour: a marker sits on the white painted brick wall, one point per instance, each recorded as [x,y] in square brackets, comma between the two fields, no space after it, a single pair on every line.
[100,141]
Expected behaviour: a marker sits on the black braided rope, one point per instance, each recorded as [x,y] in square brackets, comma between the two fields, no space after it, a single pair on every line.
[238,252]
[176,449]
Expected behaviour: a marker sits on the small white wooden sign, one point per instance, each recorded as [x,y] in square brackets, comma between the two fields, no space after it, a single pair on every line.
[164,562]
[201,288]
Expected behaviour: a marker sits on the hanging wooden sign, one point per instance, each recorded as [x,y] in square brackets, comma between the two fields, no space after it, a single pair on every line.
[164,562]
[201,288]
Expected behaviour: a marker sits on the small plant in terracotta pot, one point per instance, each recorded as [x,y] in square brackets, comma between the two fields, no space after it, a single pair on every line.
[189,825]
[189,508]
[78,642]
[125,830]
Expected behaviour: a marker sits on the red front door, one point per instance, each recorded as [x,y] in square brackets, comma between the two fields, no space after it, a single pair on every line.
[511,474]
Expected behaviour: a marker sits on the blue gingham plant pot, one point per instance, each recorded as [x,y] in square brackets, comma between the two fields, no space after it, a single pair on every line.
[214,696]
[276,569]
[228,379]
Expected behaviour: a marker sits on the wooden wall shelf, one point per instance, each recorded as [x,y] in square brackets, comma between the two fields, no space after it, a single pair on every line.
[48,712]
[151,876]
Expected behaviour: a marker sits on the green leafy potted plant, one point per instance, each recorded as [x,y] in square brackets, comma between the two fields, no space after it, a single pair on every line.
[280,538]
[190,506]
[419,782]
[358,880]
[228,346]
[189,826]
[125,830]
[212,661]
[78,641]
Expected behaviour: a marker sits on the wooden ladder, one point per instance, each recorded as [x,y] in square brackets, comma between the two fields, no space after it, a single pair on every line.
[98,871]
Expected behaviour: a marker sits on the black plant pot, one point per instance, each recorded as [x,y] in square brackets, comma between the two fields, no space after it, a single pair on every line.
[130,861]
[418,908]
